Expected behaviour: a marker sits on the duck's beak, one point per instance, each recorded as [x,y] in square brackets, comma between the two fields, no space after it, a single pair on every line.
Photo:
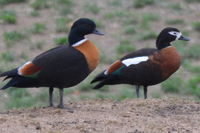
[184,38]
[97,32]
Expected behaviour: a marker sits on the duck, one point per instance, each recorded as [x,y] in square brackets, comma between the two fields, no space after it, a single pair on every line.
[147,66]
[60,67]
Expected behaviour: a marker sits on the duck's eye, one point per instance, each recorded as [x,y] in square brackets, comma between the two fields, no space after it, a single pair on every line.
[174,33]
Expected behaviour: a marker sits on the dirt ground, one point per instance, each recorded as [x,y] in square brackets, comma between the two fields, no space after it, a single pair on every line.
[168,115]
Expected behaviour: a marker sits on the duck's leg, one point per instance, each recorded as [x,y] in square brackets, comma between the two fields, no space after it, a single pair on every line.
[61,105]
[145,92]
[138,91]
[51,96]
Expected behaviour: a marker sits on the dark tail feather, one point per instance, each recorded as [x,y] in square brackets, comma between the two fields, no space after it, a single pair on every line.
[99,77]
[9,73]
[99,85]
[11,83]
[105,80]
[108,80]
[7,77]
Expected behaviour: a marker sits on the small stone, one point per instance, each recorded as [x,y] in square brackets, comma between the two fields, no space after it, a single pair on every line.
[37,126]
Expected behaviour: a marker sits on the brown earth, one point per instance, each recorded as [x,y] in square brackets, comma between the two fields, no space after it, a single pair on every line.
[168,115]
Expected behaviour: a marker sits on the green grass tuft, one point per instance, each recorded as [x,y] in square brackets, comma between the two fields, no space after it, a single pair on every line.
[61,41]
[85,86]
[24,56]
[148,35]
[193,86]
[61,24]
[146,18]
[194,69]
[12,37]
[35,13]
[65,6]
[21,98]
[8,16]
[142,3]
[175,21]
[192,1]
[40,4]
[126,94]
[176,7]
[196,26]
[4,2]
[125,47]
[7,56]
[38,28]
[192,52]
[172,85]
[99,24]
[181,47]
[129,29]
[92,8]
[156,95]
[150,17]
[116,14]
[115,3]
[105,59]
[102,96]
[39,44]
[133,20]
[65,11]
[66,2]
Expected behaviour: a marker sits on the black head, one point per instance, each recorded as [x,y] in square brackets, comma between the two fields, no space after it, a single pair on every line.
[85,26]
[80,28]
[168,35]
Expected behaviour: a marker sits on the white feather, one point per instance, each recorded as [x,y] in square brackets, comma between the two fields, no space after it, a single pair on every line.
[79,42]
[134,61]
[106,72]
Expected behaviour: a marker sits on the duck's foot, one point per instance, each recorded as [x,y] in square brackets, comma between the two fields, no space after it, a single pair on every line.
[66,107]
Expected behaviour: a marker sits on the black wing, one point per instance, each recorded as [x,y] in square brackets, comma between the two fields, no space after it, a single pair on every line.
[63,66]
[141,52]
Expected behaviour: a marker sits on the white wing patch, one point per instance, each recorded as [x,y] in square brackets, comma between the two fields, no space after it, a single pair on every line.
[134,61]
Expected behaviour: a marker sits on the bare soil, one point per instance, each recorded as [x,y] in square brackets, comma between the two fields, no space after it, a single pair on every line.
[168,115]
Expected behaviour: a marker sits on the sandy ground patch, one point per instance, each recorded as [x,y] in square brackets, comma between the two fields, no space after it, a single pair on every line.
[168,115]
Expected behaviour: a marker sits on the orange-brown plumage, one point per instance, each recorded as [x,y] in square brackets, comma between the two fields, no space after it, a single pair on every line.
[116,65]
[91,53]
[29,69]
[168,59]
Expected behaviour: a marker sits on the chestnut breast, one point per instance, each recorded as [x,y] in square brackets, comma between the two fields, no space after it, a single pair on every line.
[168,59]
[91,53]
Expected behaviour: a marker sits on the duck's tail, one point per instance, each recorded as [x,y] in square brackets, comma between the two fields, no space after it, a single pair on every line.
[104,79]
